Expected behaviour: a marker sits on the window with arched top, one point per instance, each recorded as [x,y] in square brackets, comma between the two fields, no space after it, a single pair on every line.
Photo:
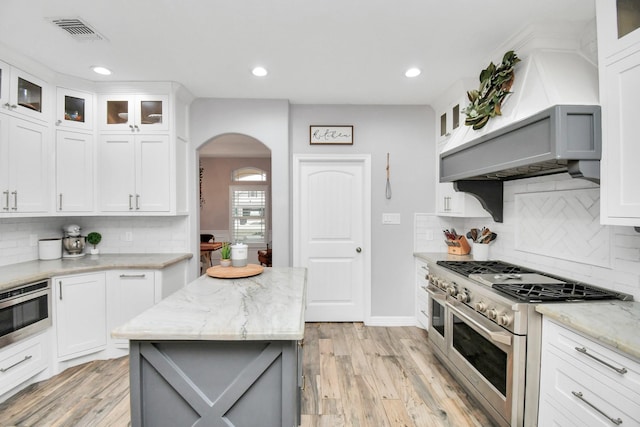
[249,173]
[249,205]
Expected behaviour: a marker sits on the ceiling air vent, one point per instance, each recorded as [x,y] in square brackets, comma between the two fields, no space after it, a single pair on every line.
[77,28]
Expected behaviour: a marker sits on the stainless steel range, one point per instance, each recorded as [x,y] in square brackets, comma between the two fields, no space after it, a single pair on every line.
[485,330]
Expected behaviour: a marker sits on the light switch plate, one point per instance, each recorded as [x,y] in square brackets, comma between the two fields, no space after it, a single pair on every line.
[390,218]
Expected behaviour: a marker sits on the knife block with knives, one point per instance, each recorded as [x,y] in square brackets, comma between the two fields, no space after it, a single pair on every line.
[458,245]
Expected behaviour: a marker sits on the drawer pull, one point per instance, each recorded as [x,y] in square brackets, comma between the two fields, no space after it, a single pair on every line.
[132,276]
[578,394]
[27,357]
[583,350]
[424,312]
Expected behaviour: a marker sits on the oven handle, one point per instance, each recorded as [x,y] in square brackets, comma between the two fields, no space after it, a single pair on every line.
[500,337]
[436,293]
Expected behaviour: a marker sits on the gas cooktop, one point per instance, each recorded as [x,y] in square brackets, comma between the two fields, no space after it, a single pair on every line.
[483,267]
[525,284]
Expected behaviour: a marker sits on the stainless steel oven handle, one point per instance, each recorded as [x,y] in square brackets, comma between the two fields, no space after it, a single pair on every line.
[501,337]
[579,395]
[583,350]
[435,293]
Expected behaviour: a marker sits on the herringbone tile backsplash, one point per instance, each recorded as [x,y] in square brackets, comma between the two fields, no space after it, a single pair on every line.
[563,224]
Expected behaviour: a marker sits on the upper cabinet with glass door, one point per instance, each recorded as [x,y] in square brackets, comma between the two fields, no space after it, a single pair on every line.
[22,93]
[134,113]
[74,109]
[618,24]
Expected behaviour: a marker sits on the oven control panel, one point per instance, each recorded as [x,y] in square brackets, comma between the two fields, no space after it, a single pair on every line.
[482,299]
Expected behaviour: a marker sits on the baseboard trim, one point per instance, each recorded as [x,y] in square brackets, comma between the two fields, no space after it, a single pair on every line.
[391,321]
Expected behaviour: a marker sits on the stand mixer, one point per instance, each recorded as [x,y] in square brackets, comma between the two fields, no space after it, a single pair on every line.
[72,242]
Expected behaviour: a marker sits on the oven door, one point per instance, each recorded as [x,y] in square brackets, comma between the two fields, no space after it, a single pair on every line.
[437,318]
[489,357]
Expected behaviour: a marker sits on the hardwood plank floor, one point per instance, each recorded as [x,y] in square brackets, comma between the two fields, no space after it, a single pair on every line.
[355,375]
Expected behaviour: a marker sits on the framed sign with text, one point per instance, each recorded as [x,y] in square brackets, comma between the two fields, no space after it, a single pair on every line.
[331,135]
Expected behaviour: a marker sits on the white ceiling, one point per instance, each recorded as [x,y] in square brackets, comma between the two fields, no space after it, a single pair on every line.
[317,52]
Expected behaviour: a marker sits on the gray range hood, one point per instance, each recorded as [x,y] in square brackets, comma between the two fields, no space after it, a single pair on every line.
[562,138]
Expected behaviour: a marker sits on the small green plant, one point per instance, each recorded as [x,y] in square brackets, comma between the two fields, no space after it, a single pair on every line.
[94,238]
[225,251]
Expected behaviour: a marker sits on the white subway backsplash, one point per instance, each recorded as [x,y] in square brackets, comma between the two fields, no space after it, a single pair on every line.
[148,235]
[619,269]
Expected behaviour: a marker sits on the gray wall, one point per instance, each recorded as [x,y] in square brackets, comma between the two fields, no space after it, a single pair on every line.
[407,133]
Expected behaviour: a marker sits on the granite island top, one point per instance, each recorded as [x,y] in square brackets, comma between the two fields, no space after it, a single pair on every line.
[614,323]
[269,306]
[26,272]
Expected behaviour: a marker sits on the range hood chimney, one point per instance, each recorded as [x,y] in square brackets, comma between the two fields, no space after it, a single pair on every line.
[550,124]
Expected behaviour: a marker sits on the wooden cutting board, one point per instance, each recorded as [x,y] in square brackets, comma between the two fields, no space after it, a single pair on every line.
[234,272]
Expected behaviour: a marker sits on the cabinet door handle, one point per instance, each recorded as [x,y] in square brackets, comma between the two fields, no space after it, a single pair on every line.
[137,202]
[424,312]
[15,200]
[27,357]
[579,395]
[7,105]
[58,122]
[130,202]
[133,276]
[584,351]
[60,290]
[131,127]
[6,200]
[136,127]
[60,201]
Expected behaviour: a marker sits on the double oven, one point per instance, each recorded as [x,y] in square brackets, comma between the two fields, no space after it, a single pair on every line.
[24,310]
[485,330]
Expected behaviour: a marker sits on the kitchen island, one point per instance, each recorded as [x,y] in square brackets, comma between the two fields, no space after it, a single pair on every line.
[220,352]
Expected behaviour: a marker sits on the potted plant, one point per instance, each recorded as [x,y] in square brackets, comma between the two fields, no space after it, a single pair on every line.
[94,238]
[225,255]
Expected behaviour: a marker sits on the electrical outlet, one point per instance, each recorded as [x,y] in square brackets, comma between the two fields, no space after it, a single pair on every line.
[128,236]
[429,235]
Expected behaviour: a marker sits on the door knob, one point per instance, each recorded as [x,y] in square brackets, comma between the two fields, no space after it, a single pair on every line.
[358,249]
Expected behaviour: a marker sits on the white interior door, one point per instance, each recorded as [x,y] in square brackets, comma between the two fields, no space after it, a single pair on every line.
[332,235]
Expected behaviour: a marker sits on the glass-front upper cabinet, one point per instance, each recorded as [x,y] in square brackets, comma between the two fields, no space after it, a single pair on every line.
[74,109]
[134,113]
[618,28]
[22,93]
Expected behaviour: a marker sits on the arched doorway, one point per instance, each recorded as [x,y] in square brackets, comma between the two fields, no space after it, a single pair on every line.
[234,206]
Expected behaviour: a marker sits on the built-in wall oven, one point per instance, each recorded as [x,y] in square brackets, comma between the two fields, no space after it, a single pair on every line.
[485,330]
[24,310]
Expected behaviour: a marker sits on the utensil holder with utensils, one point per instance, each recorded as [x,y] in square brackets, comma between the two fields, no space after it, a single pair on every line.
[458,246]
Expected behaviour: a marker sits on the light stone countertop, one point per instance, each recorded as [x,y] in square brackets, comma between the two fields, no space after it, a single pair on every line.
[31,271]
[269,306]
[614,323]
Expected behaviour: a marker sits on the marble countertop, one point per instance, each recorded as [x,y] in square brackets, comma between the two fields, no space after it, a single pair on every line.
[614,323]
[269,306]
[31,271]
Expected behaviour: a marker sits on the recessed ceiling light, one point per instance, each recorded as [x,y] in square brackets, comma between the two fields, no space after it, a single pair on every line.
[413,72]
[101,70]
[259,71]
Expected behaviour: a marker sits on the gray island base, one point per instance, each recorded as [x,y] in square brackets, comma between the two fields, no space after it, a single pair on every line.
[220,352]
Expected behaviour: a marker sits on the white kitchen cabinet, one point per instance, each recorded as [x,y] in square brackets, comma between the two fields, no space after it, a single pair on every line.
[80,314]
[24,179]
[23,94]
[449,119]
[74,109]
[130,292]
[74,171]
[134,173]
[619,64]
[584,383]
[422,300]
[133,113]
[23,360]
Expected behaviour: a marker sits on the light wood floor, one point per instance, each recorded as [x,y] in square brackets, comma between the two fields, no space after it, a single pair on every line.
[356,376]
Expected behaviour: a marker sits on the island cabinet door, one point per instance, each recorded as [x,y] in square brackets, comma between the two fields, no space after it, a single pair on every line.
[214,383]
